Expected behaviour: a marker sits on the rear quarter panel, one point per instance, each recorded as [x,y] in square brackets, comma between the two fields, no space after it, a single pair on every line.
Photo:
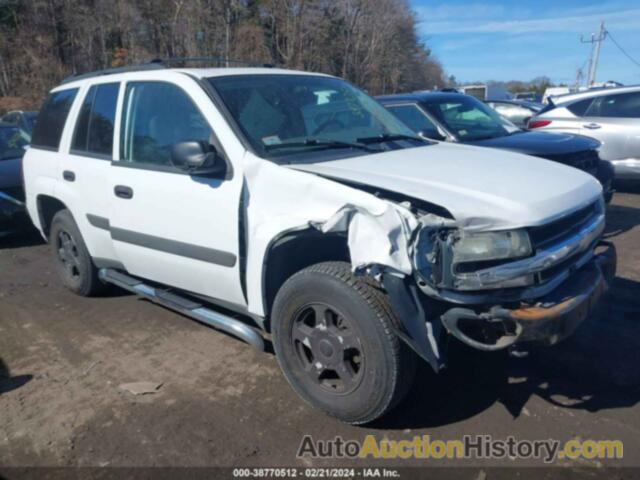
[40,171]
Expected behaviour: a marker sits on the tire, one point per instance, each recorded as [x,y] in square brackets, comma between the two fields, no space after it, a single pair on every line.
[73,262]
[334,340]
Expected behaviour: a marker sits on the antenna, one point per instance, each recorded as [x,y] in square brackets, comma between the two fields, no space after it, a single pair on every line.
[596,43]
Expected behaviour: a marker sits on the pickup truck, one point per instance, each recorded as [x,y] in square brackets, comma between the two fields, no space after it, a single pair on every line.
[291,206]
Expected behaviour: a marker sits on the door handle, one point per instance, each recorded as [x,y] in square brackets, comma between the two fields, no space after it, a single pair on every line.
[592,126]
[69,176]
[123,191]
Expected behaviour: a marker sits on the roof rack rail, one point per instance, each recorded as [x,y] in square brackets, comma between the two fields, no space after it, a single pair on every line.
[219,61]
[161,63]
[113,71]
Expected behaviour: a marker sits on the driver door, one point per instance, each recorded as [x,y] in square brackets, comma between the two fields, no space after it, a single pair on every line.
[166,225]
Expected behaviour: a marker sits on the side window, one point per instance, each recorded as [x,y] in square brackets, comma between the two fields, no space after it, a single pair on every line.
[156,116]
[79,142]
[415,119]
[94,128]
[621,105]
[52,118]
[580,108]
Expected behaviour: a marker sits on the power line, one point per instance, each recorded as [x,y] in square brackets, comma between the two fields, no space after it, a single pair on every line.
[622,49]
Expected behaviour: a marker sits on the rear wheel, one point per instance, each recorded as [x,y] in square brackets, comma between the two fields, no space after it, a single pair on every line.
[73,262]
[333,338]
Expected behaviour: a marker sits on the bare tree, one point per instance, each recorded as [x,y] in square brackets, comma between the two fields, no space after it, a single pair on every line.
[372,43]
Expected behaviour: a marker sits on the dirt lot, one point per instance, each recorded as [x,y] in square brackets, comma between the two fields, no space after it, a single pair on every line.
[222,403]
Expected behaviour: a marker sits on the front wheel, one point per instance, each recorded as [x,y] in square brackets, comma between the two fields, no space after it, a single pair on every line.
[334,340]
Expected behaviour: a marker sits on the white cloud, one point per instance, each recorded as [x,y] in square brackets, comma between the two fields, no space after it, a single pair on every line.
[481,23]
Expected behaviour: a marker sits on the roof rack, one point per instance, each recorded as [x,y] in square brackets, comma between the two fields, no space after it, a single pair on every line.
[162,63]
[218,61]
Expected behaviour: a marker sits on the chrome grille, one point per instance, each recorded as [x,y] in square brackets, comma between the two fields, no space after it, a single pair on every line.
[586,160]
[557,231]
[564,227]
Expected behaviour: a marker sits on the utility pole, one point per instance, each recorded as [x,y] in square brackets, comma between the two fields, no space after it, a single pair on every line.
[596,42]
[579,76]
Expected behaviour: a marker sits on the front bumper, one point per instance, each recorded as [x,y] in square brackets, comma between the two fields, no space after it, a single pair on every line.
[550,319]
[605,176]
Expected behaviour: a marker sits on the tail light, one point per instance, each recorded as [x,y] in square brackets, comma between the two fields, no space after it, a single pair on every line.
[538,123]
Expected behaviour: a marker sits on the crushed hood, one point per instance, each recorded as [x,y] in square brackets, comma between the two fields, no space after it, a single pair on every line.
[483,188]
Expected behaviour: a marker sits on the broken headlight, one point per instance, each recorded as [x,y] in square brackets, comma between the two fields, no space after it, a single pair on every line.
[480,247]
[460,260]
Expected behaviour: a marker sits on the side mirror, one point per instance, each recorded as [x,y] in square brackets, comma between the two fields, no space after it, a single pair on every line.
[197,158]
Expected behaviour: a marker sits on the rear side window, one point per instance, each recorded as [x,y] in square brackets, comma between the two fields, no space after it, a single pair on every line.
[621,105]
[581,107]
[51,119]
[94,128]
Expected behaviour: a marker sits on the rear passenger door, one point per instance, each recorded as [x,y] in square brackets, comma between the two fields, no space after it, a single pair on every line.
[168,226]
[84,170]
[615,121]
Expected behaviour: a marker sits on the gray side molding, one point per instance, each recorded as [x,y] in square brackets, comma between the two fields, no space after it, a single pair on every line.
[188,250]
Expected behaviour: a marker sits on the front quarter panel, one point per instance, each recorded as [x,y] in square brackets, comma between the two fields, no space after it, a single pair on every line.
[278,199]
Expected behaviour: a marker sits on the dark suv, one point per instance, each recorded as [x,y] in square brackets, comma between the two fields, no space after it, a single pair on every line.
[455,117]
[12,145]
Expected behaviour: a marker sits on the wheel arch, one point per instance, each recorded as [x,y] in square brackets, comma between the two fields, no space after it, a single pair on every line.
[48,206]
[292,251]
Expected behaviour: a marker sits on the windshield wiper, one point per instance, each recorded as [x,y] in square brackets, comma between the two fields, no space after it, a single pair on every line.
[320,144]
[388,137]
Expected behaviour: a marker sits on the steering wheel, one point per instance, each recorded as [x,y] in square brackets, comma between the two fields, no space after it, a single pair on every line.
[331,121]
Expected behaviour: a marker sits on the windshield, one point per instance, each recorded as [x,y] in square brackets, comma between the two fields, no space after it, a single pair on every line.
[291,114]
[11,143]
[468,118]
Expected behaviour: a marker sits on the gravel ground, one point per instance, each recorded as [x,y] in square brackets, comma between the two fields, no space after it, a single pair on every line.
[221,403]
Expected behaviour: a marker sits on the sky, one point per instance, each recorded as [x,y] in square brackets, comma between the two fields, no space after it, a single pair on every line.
[479,40]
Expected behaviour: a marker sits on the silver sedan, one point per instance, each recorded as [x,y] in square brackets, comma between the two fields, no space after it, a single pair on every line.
[611,116]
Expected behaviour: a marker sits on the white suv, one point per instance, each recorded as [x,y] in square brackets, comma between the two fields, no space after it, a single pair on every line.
[264,201]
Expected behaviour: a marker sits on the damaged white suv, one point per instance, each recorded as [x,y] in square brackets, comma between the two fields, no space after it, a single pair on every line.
[264,201]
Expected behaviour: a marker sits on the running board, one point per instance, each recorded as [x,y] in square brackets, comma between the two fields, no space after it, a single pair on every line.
[185,306]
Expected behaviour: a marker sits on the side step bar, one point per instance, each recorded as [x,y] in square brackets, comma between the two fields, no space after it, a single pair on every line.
[185,306]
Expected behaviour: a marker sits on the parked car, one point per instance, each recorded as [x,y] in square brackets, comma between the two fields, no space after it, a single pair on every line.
[553,92]
[11,192]
[486,92]
[517,112]
[611,116]
[23,120]
[264,200]
[463,119]
[528,97]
